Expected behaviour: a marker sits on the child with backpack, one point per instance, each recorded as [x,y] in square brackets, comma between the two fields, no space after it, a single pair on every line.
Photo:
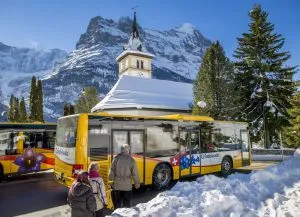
[98,187]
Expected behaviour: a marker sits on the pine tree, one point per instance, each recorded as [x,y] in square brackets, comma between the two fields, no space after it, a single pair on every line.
[23,113]
[66,109]
[87,100]
[39,102]
[32,100]
[214,85]
[71,109]
[264,80]
[16,109]
[11,112]
[291,135]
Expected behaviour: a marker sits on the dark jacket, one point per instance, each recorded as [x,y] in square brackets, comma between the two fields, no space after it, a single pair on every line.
[82,202]
[122,171]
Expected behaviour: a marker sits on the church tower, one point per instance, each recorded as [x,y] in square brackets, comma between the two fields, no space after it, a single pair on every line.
[135,60]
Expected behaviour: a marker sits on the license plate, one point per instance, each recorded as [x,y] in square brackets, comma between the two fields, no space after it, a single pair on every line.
[58,176]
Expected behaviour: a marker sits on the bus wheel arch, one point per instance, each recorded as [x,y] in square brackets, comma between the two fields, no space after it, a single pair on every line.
[226,165]
[162,175]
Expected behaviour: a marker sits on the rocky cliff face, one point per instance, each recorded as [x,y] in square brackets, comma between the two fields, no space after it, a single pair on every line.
[178,54]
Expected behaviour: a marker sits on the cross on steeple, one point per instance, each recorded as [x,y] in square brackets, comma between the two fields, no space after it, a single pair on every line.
[135,31]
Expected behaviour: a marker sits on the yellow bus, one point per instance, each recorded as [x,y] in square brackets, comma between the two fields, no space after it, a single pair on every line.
[165,148]
[26,147]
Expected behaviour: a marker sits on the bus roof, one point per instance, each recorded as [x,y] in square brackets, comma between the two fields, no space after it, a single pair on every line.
[178,117]
[23,123]
[182,117]
[36,125]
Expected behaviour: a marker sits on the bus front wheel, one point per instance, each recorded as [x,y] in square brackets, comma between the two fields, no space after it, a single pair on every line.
[162,176]
[226,166]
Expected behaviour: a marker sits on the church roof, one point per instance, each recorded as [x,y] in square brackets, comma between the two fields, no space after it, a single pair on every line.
[135,92]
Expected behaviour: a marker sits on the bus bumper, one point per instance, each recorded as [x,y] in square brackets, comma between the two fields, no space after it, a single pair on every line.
[64,180]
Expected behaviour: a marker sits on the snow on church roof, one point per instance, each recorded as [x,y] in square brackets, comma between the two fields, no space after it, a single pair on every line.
[135,92]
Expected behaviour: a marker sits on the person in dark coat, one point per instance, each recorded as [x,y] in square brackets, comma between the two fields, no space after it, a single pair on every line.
[81,198]
[123,170]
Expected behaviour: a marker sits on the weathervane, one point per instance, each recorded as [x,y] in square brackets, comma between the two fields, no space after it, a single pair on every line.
[133,8]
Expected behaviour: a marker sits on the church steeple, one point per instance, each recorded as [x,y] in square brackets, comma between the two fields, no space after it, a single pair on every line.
[135,60]
[135,31]
[134,42]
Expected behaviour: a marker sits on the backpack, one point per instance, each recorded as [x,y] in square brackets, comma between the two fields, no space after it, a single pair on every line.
[98,194]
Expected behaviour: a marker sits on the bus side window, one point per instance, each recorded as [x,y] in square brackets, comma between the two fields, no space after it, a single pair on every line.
[137,142]
[11,144]
[119,138]
[49,139]
[4,138]
[31,140]
[39,140]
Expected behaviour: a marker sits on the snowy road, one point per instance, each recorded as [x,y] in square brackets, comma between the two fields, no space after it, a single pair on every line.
[275,190]
[39,195]
[30,193]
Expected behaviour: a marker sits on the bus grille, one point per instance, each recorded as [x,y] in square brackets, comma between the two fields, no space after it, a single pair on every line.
[97,154]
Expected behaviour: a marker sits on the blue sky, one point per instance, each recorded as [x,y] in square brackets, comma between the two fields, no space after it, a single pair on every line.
[59,23]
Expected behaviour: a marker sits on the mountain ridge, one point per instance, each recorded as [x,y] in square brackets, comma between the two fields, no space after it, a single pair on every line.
[178,54]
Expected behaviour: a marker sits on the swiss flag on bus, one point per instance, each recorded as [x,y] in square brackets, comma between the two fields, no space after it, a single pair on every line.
[175,161]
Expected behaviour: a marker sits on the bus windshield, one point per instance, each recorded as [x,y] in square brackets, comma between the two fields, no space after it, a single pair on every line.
[66,132]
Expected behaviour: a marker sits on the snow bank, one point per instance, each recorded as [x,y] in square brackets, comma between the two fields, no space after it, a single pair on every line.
[261,193]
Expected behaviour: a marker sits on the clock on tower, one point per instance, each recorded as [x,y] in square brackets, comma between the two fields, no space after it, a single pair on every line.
[140,74]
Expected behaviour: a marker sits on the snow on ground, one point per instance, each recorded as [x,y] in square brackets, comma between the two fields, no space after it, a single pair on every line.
[270,192]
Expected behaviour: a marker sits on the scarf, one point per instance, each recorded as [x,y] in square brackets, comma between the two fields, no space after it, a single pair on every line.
[94,174]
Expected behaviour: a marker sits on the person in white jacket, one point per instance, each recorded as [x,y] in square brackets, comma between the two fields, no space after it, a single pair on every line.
[98,187]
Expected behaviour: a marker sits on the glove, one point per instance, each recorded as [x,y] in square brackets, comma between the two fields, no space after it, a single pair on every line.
[137,185]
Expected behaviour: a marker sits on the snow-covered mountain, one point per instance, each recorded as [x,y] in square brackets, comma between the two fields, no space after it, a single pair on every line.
[178,54]
[18,65]
[27,60]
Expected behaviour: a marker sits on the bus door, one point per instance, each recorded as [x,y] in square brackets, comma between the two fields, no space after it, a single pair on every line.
[135,138]
[189,153]
[99,141]
[245,148]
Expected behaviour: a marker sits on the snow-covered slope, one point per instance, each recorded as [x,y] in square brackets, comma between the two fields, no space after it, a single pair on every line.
[271,192]
[26,60]
[178,53]
[18,65]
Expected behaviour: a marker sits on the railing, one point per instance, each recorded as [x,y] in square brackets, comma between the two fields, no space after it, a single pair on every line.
[272,154]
